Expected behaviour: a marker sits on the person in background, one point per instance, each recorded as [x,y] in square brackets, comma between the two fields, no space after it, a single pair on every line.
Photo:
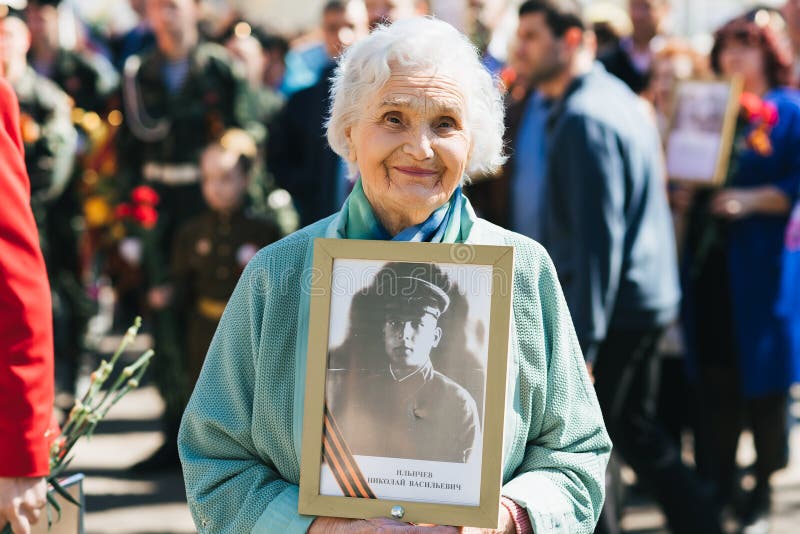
[610,24]
[177,98]
[50,142]
[742,355]
[26,334]
[89,79]
[606,224]
[791,13]
[275,49]
[631,61]
[512,198]
[212,249]
[304,66]
[137,40]
[265,199]
[674,62]
[298,154]
[388,11]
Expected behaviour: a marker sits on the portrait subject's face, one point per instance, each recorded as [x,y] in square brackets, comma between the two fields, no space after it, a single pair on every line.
[410,340]
[412,143]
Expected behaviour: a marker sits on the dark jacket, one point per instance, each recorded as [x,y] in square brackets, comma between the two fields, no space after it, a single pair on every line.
[298,154]
[619,63]
[491,197]
[607,224]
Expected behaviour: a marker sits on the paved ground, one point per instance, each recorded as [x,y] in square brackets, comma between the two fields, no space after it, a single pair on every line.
[119,502]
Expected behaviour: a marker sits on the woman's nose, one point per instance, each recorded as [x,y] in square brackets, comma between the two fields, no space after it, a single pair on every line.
[419,145]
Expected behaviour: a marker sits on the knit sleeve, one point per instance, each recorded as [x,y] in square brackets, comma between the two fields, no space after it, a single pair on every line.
[560,478]
[231,486]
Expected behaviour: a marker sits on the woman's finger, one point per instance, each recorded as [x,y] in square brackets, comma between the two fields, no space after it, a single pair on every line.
[20,524]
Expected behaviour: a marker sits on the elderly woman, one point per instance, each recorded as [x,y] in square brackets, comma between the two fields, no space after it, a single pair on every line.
[414,113]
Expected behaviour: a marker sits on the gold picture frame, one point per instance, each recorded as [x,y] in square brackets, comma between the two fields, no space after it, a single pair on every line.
[475,262]
[701,130]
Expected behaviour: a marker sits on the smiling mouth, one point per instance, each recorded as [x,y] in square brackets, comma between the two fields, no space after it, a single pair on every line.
[417,171]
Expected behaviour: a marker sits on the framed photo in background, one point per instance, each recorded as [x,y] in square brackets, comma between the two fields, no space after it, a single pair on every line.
[701,132]
[405,381]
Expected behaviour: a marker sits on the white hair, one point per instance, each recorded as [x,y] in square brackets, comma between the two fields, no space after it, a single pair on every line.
[427,44]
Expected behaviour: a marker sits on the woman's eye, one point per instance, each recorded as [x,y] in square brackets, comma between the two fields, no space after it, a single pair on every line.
[392,118]
[446,123]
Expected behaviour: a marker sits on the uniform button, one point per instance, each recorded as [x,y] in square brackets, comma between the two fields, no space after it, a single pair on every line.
[223,272]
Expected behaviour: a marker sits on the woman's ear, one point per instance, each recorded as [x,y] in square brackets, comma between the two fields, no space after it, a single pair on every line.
[351,146]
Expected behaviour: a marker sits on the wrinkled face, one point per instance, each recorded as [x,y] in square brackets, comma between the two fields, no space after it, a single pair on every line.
[412,143]
[540,55]
[170,19]
[16,41]
[409,340]
[224,184]
[746,60]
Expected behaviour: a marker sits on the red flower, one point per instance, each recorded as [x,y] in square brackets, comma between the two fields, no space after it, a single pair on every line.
[752,105]
[769,113]
[145,215]
[123,210]
[144,195]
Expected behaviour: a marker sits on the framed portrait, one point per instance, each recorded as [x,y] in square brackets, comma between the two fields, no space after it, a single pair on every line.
[702,127]
[405,381]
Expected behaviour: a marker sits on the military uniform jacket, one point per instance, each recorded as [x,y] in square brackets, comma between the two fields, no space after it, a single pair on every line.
[172,128]
[49,139]
[89,81]
[47,133]
[211,252]
[406,418]
[165,133]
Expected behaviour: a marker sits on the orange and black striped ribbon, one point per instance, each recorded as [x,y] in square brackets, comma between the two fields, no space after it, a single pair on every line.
[339,458]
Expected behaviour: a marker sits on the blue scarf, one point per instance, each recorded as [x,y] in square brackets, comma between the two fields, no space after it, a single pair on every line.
[357,220]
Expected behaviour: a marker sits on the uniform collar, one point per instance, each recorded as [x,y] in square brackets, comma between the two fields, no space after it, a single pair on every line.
[420,376]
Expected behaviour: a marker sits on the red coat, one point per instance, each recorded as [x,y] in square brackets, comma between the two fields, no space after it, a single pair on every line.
[26,323]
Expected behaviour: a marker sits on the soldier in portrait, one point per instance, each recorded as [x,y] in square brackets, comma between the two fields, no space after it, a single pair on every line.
[386,381]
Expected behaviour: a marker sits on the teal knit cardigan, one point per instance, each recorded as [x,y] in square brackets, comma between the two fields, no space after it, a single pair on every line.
[240,436]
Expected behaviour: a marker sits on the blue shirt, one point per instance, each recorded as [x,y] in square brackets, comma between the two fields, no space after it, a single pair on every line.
[304,67]
[530,169]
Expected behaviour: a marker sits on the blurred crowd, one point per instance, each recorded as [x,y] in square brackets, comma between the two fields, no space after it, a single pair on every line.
[162,159]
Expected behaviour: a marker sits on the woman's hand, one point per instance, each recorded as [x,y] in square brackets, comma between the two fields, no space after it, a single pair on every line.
[736,204]
[732,204]
[21,502]
[506,525]
[335,525]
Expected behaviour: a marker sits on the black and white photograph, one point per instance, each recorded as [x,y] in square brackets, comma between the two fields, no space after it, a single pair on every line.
[407,358]
[701,130]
